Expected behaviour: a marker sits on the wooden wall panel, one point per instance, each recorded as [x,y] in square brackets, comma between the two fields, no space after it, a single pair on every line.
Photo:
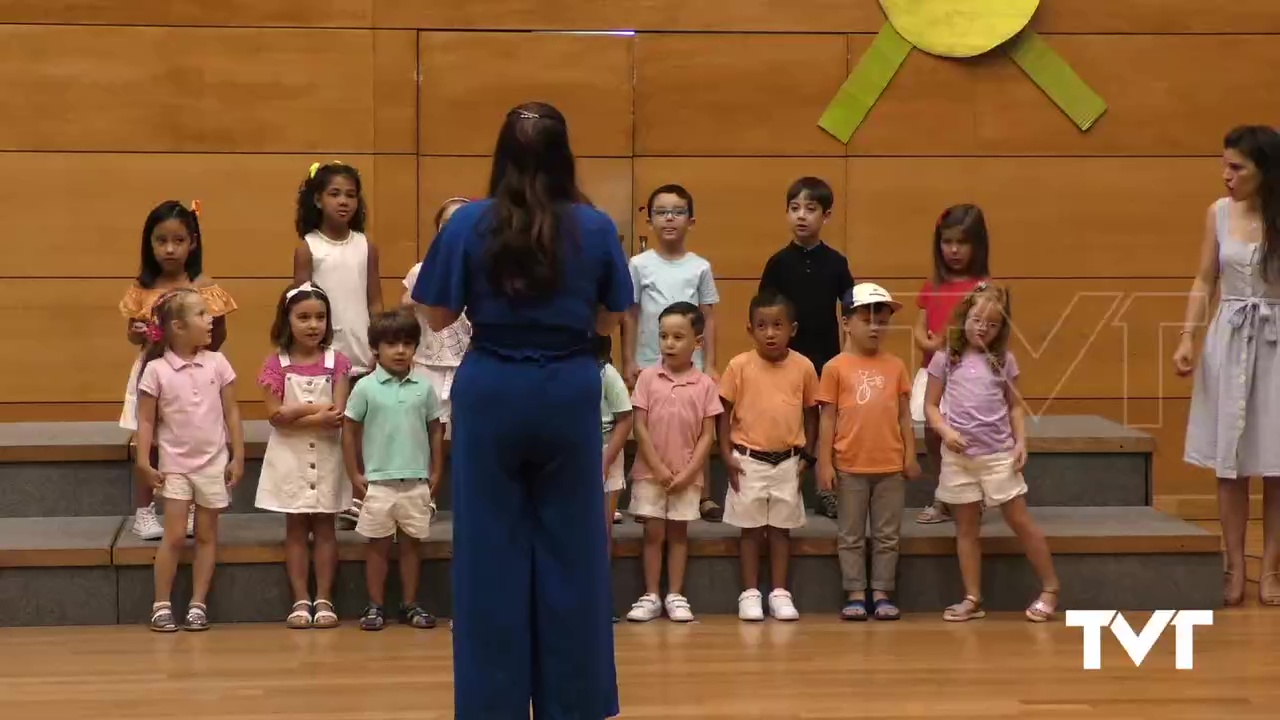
[1167,95]
[740,205]
[1046,217]
[1073,339]
[246,13]
[199,90]
[765,16]
[470,81]
[42,315]
[606,181]
[87,209]
[736,94]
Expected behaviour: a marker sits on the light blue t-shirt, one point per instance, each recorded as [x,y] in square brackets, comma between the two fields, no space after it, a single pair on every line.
[659,282]
[614,398]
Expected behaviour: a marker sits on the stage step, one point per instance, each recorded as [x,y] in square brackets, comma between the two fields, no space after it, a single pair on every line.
[82,469]
[63,571]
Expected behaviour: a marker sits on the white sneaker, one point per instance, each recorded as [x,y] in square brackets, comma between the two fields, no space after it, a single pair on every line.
[645,609]
[749,606]
[678,608]
[145,524]
[781,607]
[191,521]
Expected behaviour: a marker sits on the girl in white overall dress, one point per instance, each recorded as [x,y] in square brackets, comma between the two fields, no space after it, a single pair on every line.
[305,387]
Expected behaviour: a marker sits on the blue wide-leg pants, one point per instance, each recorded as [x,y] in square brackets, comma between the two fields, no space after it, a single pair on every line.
[531,582]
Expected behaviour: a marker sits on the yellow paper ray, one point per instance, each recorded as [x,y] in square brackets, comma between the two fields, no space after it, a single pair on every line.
[1050,71]
[854,99]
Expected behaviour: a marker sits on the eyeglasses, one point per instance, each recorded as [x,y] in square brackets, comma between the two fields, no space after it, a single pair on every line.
[669,212]
[983,324]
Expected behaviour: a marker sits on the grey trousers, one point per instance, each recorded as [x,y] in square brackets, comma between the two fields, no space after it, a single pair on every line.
[882,498]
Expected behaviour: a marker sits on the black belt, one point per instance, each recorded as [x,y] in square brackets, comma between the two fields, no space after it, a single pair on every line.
[773,458]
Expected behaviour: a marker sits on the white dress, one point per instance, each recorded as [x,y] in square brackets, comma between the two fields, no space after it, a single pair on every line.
[440,353]
[341,269]
[302,470]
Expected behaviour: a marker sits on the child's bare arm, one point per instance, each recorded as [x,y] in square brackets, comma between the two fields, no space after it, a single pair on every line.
[136,332]
[1017,421]
[373,282]
[630,326]
[146,437]
[302,268]
[622,424]
[435,435]
[910,466]
[352,436]
[709,340]
[811,430]
[235,433]
[826,446]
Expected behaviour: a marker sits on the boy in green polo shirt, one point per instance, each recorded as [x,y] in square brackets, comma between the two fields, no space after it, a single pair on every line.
[393,417]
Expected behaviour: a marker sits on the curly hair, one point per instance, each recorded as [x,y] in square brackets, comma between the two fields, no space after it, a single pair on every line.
[309,216]
[958,342]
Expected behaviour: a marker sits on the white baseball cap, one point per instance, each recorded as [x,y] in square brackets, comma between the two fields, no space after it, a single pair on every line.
[868,294]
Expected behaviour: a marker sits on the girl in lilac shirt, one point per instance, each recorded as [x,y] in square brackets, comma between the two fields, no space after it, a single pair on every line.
[984,445]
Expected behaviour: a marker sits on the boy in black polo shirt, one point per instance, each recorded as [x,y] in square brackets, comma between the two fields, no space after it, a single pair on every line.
[814,276]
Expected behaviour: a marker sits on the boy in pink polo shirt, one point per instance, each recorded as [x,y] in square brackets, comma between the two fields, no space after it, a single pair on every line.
[675,408]
[186,404]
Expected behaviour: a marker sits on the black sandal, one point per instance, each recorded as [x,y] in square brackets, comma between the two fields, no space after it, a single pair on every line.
[415,616]
[373,619]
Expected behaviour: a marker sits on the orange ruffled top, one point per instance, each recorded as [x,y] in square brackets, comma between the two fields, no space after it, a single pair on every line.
[138,301]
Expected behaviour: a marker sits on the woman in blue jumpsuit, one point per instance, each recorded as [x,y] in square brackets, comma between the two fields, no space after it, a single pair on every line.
[539,273]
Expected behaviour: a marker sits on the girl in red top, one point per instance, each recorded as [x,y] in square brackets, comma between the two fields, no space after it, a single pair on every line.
[960,250]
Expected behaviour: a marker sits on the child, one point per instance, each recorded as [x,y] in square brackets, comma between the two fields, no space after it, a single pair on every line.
[187,407]
[439,354]
[984,444]
[615,425]
[393,424]
[666,274]
[767,437]
[675,407]
[959,264]
[172,258]
[304,386]
[336,255]
[814,276]
[866,445]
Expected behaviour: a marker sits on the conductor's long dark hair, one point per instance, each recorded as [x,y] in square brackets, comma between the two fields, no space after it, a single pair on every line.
[1261,144]
[533,186]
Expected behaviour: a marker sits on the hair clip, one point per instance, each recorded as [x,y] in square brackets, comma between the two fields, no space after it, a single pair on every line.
[526,115]
[304,287]
[315,167]
[195,208]
[153,333]
[980,286]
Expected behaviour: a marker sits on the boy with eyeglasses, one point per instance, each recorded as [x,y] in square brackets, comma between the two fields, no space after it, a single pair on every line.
[665,274]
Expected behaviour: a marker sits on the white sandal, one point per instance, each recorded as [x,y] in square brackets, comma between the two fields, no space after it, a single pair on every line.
[326,618]
[300,618]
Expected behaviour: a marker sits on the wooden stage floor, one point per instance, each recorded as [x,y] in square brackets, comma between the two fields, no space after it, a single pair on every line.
[720,669]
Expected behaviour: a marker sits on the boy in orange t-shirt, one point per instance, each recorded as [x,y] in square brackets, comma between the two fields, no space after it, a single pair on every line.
[866,445]
[767,435]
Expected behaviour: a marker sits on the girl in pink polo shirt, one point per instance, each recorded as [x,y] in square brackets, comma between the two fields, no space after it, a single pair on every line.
[187,406]
[984,445]
[304,385]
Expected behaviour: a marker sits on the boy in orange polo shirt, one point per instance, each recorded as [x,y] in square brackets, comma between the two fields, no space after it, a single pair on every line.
[767,435]
[866,445]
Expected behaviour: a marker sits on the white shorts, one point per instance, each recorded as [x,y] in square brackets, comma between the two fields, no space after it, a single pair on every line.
[616,479]
[649,499]
[767,495]
[442,380]
[206,486]
[987,478]
[391,504]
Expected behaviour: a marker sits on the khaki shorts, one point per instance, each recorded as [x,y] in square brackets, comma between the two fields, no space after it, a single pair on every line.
[767,495]
[391,504]
[988,478]
[207,487]
[649,499]
[616,479]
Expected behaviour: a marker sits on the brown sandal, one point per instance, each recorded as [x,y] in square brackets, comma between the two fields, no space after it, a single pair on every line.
[968,609]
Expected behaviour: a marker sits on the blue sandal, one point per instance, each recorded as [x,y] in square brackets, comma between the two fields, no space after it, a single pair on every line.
[855,610]
[884,609]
